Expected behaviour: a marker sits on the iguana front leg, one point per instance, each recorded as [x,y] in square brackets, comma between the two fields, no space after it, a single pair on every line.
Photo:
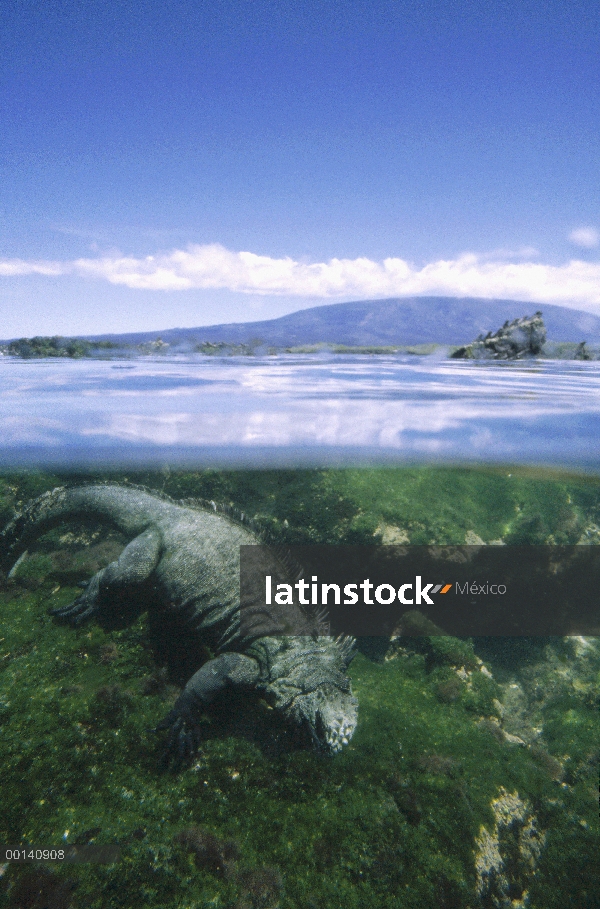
[134,566]
[225,671]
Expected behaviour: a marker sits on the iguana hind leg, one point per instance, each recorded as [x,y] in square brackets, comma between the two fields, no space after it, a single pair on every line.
[134,566]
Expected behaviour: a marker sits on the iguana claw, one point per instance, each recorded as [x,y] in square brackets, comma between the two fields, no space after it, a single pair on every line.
[182,742]
[77,612]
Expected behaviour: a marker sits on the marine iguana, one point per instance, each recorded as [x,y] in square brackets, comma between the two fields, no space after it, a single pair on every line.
[182,566]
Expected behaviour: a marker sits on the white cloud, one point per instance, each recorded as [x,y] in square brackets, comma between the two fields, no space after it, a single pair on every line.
[575,283]
[13,267]
[588,237]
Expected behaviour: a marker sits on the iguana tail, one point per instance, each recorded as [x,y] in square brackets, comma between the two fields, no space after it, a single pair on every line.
[128,510]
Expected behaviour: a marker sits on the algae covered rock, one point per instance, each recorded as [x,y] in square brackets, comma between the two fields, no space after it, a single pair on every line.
[506,857]
[457,791]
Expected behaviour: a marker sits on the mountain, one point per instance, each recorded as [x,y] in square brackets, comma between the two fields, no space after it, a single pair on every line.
[409,320]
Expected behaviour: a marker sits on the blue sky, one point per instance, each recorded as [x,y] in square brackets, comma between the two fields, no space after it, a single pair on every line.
[183,162]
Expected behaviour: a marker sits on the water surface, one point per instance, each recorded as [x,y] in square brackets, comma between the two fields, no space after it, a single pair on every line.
[299,410]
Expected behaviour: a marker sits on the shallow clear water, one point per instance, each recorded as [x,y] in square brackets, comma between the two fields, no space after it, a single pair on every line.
[297,410]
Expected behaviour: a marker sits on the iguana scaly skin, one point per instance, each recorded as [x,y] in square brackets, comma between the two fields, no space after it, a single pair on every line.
[182,565]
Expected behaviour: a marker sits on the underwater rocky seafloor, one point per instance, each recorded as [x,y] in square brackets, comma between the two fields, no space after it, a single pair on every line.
[472,779]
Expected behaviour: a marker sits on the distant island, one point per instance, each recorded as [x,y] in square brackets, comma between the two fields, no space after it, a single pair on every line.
[415,325]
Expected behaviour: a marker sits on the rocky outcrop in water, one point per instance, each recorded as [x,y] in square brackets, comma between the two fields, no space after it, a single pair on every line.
[520,338]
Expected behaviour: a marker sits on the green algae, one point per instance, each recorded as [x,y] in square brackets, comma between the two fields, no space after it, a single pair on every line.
[393,820]
[430,504]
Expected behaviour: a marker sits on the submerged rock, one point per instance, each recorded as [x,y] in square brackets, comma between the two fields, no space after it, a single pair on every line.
[523,337]
[506,858]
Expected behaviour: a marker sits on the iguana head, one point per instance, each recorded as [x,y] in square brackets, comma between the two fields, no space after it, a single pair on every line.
[306,679]
[329,714]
